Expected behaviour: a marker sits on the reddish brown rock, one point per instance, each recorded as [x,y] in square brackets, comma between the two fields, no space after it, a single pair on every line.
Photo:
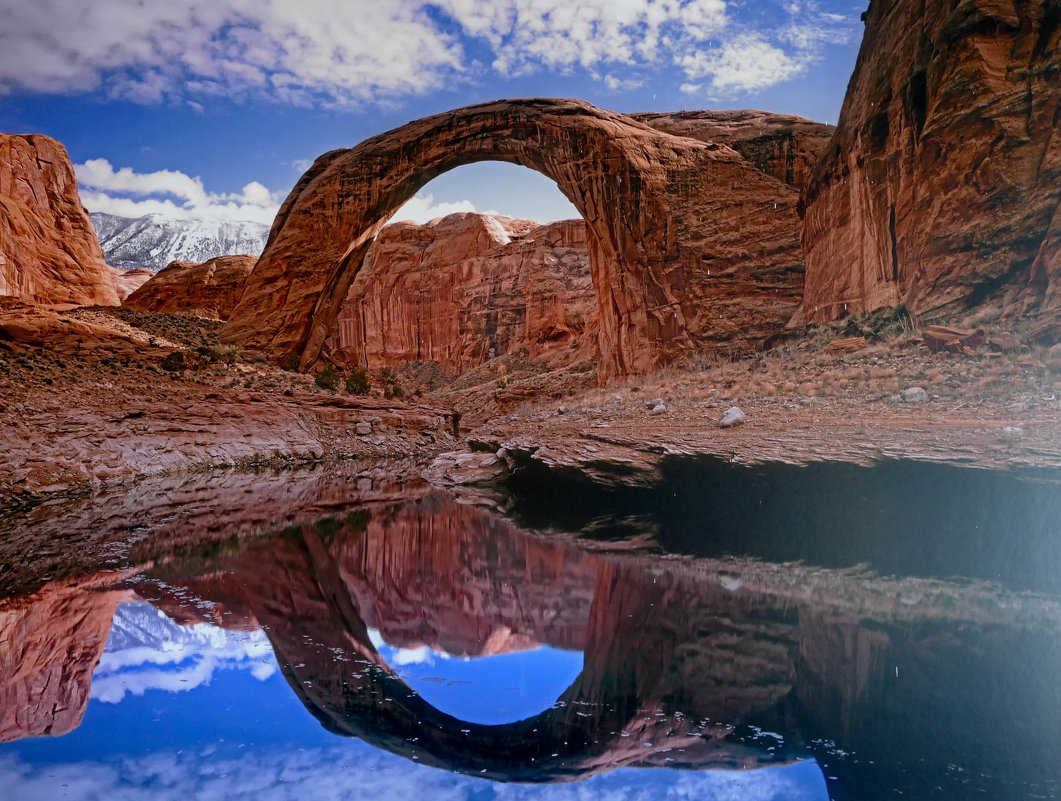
[49,646]
[781,145]
[689,243]
[941,187]
[49,252]
[208,289]
[467,287]
[954,340]
[126,282]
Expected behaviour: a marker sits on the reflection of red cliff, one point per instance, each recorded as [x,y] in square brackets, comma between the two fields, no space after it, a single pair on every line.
[49,647]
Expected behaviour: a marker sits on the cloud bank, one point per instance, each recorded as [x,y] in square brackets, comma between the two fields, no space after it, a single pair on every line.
[314,53]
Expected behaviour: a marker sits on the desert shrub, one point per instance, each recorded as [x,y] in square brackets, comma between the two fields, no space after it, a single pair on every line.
[357,381]
[290,363]
[327,378]
[174,362]
[226,354]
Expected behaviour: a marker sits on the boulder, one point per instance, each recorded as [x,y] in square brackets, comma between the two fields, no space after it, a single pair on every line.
[210,289]
[49,253]
[941,187]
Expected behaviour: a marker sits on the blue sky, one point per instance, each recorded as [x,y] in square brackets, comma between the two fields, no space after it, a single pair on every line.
[212,108]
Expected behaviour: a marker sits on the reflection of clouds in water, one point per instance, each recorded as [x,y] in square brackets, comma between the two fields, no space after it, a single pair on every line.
[342,773]
[148,651]
[397,657]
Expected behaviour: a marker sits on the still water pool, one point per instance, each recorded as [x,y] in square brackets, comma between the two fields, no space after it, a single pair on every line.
[554,642]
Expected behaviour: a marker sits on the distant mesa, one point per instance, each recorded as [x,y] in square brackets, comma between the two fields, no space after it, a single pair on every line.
[49,253]
[210,289]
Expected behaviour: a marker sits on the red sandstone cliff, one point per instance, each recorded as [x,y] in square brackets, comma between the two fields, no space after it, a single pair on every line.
[467,287]
[126,282]
[210,289]
[49,252]
[941,187]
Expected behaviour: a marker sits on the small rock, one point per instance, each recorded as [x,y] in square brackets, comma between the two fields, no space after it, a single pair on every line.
[733,416]
[1012,433]
[653,402]
[562,410]
[363,428]
[914,395]
[658,409]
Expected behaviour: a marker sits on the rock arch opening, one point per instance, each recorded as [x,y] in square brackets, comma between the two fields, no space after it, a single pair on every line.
[654,203]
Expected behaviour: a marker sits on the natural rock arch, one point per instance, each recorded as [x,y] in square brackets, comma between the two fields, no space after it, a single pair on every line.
[662,212]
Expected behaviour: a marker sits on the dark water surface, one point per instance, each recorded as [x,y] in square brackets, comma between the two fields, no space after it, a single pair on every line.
[732,633]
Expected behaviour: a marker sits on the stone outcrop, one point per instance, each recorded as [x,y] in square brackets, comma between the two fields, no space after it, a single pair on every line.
[467,287]
[690,244]
[49,253]
[210,289]
[781,145]
[126,282]
[941,187]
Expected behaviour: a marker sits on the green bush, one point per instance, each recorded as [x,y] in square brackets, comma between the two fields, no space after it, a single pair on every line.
[174,362]
[226,354]
[357,381]
[327,378]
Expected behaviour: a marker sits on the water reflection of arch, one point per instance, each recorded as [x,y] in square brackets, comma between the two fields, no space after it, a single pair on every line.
[627,707]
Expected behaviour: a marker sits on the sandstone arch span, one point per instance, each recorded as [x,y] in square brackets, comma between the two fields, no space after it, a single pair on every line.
[674,224]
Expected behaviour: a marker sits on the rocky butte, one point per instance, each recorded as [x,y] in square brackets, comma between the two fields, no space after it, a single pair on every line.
[210,289]
[49,253]
[941,188]
[467,287]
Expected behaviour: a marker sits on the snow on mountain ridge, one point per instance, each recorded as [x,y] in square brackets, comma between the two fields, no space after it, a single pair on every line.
[153,241]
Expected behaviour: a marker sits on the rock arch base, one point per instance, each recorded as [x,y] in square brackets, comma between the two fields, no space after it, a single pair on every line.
[689,242]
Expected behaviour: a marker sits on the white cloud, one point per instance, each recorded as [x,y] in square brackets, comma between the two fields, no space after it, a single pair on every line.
[302,164]
[423,208]
[746,64]
[169,192]
[312,53]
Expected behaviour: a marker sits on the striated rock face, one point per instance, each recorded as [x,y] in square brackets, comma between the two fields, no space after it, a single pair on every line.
[48,250]
[781,145]
[689,243]
[48,650]
[467,287]
[210,289]
[126,282]
[941,187]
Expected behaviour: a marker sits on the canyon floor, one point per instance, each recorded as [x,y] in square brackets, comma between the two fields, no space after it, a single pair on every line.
[87,399]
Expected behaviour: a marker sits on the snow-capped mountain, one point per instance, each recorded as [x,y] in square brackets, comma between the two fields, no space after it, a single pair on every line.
[154,241]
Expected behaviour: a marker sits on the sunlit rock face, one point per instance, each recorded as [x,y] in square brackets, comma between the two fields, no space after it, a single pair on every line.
[690,243]
[941,187]
[49,646]
[210,289]
[49,253]
[464,288]
[126,282]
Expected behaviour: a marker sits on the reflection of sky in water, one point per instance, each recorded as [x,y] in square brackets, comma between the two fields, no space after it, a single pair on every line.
[229,727]
[487,689]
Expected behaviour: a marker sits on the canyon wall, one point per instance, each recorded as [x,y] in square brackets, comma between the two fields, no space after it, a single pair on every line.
[941,186]
[49,253]
[464,288]
[209,289]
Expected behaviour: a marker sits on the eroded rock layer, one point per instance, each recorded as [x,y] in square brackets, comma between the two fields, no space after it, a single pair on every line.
[467,287]
[49,253]
[942,185]
[689,242]
[210,289]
